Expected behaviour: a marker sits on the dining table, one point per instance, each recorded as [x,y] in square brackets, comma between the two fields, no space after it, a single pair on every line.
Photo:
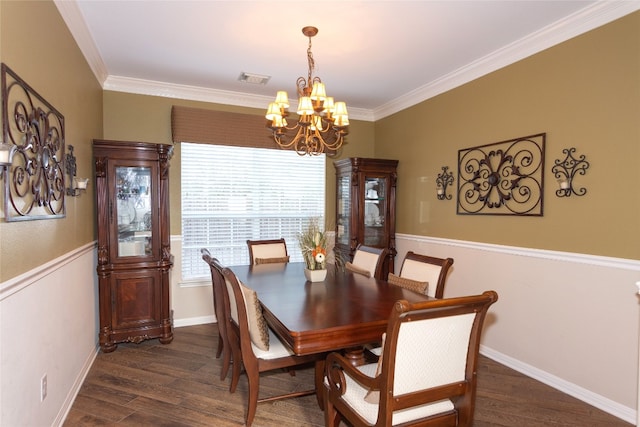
[344,312]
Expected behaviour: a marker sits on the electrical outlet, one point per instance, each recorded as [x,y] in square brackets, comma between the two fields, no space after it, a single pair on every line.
[43,387]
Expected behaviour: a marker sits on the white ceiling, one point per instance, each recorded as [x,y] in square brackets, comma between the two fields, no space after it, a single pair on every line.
[378,56]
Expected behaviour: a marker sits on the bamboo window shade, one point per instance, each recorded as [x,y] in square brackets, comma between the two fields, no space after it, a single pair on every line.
[219,127]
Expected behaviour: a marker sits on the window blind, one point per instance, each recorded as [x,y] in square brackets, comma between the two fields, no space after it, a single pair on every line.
[232,194]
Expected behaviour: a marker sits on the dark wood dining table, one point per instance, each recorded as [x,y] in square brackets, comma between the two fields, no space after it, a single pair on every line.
[344,312]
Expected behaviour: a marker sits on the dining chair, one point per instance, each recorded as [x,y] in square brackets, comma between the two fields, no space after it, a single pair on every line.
[424,268]
[267,251]
[219,309]
[257,347]
[427,372]
[420,273]
[368,261]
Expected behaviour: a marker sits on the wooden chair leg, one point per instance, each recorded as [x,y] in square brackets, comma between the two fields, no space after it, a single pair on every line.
[235,374]
[236,365]
[226,363]
[253,378]
[220,347]
[331,418]
[319,383]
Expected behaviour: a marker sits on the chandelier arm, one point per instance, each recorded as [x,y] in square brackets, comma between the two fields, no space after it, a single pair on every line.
[294,127]
[332,139]
[302,87]
[279,138]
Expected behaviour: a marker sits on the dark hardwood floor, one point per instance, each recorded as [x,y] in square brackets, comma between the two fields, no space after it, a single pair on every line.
[151,384]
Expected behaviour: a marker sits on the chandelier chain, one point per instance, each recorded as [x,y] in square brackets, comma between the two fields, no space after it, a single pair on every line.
[312,64]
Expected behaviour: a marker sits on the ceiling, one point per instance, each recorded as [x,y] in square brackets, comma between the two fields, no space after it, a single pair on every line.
[378,56]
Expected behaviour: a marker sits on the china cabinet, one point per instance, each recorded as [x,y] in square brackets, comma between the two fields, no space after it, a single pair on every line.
[134,257]
[365,206]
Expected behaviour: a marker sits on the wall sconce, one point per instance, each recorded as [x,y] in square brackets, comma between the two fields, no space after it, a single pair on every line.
[565,172]
[6,153]
[76,185]
[6,156]
[444,180]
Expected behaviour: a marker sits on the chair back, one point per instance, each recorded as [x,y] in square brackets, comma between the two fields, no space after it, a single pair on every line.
[245,319]
[427,371]
[217,282]
[425,268]
[431,352]
[220,308]
[237,312]
[263,251]
[370,259]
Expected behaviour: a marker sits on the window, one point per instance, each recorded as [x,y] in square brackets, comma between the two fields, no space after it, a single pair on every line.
[232,194]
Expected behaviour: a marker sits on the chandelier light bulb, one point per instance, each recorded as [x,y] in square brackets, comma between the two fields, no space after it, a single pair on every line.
[328,105]
[319,92]
[305,106]
[273,111]
[282,99]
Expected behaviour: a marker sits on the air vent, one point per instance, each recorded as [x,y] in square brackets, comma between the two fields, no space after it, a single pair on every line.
[256,79]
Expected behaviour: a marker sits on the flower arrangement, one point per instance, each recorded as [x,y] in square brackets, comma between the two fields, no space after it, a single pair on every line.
[313,244]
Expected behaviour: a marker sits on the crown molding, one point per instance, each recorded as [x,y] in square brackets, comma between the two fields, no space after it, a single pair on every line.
[589,18]
[196,93]
[72,16]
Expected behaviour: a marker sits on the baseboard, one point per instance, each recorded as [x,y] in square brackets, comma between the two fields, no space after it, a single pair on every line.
[593,399]
[75,389]
[191,321]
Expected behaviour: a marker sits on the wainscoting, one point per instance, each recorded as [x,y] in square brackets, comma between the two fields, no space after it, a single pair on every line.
[567,320]
[48,325]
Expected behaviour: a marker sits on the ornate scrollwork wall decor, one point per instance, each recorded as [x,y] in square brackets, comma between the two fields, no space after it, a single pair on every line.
[444,180]
[35,187]
[566,170]
[505,178]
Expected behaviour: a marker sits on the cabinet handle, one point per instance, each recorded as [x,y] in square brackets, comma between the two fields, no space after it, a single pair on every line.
[110,212]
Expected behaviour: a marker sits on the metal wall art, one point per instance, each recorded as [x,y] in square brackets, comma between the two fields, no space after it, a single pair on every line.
[444,180]
[505,178]
[35,184]
[566,170]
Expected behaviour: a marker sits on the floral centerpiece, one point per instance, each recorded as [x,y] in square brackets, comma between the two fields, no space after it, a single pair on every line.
[313,244]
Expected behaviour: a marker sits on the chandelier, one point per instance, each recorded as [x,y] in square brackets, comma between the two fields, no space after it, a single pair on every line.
[322,124]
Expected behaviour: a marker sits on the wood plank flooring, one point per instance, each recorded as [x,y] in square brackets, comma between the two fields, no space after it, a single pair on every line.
[151,384]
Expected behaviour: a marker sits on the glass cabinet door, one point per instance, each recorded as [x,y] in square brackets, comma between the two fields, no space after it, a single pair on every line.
[344,210]
[133,211]
[375,195]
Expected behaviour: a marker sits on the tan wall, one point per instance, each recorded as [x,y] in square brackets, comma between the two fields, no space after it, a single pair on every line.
[48,284]
[584,93]
[36,44]
[133,117]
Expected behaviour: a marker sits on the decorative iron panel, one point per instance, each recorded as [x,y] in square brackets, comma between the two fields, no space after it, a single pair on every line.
[34,184]
[504,178]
